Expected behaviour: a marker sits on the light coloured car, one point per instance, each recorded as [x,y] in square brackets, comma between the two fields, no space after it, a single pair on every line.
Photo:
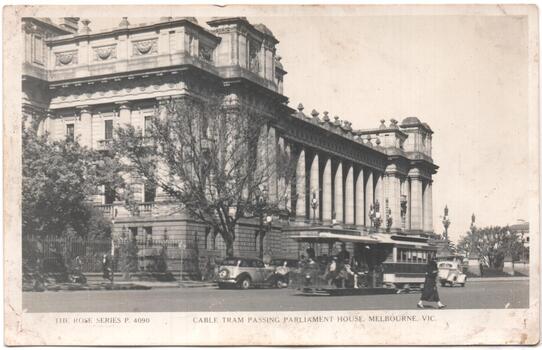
[450,273]
[244,273]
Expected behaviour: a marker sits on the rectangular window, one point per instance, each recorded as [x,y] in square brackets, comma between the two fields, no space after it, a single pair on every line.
[133,232]
[149,194]
[148,126]
[109,195]
[38,49]
[109,129]
[70,132]
[148,232]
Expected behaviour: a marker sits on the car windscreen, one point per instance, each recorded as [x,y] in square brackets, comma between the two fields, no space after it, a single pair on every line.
[446,266]
[230,262]
[280,262]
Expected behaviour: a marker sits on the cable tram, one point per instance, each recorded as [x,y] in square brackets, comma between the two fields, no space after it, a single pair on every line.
[376,263]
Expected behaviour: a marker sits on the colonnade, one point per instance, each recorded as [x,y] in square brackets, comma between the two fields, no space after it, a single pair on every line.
[344,191]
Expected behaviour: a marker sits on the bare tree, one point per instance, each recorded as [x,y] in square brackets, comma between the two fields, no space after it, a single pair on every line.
[214,159]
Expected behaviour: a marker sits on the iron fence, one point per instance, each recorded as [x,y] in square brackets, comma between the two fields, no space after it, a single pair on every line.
[58,254]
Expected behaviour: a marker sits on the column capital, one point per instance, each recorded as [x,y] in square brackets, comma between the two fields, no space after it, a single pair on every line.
[123,104]
[50,114]
[84,109]
[414,173]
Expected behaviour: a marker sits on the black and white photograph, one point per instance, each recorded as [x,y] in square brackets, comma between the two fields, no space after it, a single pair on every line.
[244,171]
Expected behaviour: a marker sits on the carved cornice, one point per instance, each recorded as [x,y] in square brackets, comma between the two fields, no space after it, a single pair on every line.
[319,139]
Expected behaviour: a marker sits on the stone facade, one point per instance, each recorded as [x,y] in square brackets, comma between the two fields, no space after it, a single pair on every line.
[83,82]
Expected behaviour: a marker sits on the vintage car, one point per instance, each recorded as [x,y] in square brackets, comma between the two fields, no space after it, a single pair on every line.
[450,273]
[245,273]
[283,267]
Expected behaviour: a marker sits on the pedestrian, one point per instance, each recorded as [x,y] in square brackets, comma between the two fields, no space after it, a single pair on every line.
[331,272]
[430,292]
[106,268]
[311,253]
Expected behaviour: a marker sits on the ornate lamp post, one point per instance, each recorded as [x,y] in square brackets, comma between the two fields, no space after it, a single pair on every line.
[374,215]
[314,206]
[404,206]
[446,222]
[389,219]
[261,202]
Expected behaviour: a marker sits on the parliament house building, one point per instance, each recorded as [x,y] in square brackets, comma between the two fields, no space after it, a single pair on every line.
[82,83]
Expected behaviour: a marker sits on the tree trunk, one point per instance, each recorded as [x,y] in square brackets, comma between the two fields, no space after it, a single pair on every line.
[229,248]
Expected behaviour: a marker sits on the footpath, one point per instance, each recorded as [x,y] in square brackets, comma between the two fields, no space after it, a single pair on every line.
[498,279]
[97,279]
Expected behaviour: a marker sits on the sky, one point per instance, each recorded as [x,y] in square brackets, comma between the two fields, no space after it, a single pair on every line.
[466,76]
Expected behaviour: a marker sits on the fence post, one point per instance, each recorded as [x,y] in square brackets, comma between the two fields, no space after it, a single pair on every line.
[181,247]
[112,260]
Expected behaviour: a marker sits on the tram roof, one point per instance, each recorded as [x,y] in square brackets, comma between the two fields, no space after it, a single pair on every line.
[329,237]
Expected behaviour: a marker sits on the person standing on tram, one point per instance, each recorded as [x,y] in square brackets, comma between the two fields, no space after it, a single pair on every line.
[430,292]
[343,255]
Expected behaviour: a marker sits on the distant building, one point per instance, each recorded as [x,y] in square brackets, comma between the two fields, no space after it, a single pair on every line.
[522,230]
[80,83]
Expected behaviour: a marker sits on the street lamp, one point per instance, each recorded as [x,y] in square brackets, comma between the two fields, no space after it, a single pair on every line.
[314,206]
[446,222]
[261,202]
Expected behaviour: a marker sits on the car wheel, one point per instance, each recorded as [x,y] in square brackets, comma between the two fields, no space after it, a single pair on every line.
[245,283]
[282,284]
[222,286]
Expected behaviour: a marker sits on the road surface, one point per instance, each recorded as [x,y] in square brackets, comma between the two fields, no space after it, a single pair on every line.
[476,295]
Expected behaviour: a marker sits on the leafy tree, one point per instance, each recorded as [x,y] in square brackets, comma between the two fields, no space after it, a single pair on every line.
[128,257]
[492,244]
[211,158]
[59,178]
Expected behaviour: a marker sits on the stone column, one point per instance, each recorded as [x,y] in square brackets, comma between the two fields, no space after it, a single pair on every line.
[406,192]
[428,208]
[349,196]
[369,197]
[162,107]
[84,128]
[287,184]
[339,200]
[327,200]
[395,202]
[125,114]
[416,199]
[272,162]
[380,194]
[301,186]
[281,182]
[314,184]
[360,199]
[393,197]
